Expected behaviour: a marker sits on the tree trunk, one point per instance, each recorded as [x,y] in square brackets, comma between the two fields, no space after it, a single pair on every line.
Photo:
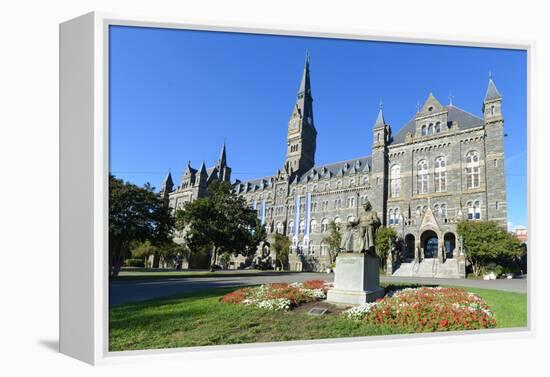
[213,259]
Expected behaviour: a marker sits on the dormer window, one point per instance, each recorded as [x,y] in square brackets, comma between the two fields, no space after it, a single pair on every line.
[492,109]
[430,108]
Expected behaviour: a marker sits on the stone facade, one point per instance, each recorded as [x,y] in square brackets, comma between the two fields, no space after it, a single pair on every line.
[444,165]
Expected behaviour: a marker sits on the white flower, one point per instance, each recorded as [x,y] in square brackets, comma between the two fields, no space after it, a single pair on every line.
[360,311]
[277,304]
[316,293]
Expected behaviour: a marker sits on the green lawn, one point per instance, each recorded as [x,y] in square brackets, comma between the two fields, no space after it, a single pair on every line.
[135,273]
[200,319]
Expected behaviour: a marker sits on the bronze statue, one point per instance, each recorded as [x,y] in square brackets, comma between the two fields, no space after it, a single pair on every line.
[359,235]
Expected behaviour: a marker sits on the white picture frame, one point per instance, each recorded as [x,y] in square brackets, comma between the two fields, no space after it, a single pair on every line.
[84,147]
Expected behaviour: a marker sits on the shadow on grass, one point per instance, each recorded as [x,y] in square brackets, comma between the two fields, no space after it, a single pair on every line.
[400,286]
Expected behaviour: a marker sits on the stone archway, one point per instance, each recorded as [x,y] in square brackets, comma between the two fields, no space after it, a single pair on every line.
[449,242]
[409,247]
[430,244]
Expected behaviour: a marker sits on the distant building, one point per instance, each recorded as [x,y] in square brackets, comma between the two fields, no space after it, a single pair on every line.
[521,234]
[443,166]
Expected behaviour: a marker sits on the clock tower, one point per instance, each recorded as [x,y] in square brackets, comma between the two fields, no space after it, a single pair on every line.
[302,135]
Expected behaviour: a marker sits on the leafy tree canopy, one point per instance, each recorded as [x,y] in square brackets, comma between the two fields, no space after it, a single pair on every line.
[485,242]
[281,246]
[222,221]
[382,242]
[333,241]
[135,214]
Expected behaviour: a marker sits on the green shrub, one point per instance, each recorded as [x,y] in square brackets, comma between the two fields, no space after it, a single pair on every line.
[134,262]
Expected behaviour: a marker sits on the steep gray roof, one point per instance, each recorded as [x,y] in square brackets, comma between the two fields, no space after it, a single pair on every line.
[342,168]
[492,91]
[380,122]
[253,184]
[464,119]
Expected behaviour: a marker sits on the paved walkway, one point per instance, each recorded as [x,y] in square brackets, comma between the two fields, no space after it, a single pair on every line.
[129,291]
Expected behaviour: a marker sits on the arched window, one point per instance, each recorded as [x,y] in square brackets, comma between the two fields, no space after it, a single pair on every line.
[395,181]
[302,227]
[396,218]
[424,133]
[430,129]
[436,210]
[324,225]
[313,226]
[477,210]
[280,228]
[390,216]
[338,222]
[351,202]
[438,127]
[290,227]
[440,175]
[492,109]
[339,184]
[444,210]
[474,210]
[366,180]
[422,177]
[418,210]
[472,170]
[327,186]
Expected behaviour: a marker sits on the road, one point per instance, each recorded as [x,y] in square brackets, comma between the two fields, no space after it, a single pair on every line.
[137,290]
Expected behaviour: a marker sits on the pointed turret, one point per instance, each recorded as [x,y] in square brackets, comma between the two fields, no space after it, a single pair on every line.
[166,188]
[492,104]
[222,161]
[492,92]
[381,130]
[202,170]
[167,182]
[380,122]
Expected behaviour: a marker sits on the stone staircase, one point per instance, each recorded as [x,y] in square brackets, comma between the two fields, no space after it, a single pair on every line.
[429,268]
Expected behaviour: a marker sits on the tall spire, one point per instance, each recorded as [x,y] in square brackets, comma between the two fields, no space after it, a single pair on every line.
[305,84]
[167,183]
[492,91]
[223,157]
[168,179]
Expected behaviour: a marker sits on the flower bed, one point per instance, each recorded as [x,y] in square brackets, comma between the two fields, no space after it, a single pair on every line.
[427,309]
[279,296]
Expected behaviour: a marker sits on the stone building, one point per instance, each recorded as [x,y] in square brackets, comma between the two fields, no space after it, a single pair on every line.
[443,166]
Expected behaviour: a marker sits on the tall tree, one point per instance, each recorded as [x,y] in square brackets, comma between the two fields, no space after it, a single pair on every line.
[221,221]
[382,242]
[281,246]
[333,241]
[485,242]
[136,214]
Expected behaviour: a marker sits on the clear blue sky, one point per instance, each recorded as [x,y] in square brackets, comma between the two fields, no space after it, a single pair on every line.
[176,94]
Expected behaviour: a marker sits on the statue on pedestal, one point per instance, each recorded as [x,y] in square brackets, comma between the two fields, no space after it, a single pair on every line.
[359,235]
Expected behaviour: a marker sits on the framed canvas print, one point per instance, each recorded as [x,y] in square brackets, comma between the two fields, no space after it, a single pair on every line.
[226,187]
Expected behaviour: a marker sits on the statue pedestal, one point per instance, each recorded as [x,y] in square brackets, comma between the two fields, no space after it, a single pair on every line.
[356,280]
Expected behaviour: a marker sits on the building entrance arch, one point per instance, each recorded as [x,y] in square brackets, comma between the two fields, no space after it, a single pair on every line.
[429,242]
[409,247]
